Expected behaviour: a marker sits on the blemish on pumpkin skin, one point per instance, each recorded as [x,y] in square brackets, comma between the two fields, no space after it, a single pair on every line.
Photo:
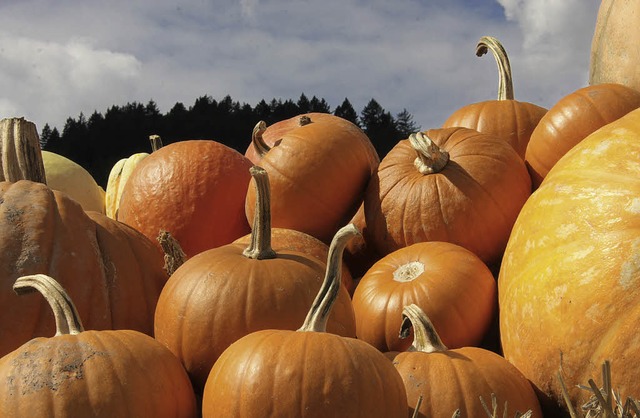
[29,376]
[630,269]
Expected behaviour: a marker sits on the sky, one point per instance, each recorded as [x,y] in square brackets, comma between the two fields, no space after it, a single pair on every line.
[59,59]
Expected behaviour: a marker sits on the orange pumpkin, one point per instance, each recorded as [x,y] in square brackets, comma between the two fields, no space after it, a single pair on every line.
[573,118]
[442,380]
[571,268]
[113,272]
[222,294]
[450,283]
[318,174]
[308,372]
[79,373]
[194,189]
[512,120]
[454,185]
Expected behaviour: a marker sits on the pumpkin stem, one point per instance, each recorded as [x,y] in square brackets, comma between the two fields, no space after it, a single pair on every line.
[431,159]
[318,315]
[260,146]
[505,82]
[260,246]
[425,337]
[20,151]
[174,257]
[64,311]
[304,120]
[156,142]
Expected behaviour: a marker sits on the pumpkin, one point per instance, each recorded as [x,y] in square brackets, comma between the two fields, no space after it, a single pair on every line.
[305,372]
[119,174]
[359,255]
[79,373]
[510,119]
[194,189]
[570,270]
[571,119]
[615,55]
[113,272]
[450,283]
[442,380]
[222,294]
[454,185]
[283,239]
[71,178]
[318,173]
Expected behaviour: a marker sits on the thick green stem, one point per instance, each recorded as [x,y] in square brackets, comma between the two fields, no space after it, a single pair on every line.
[431,159]
[260,246]
[64,311]
[425,337]
[505,83]
[318,315]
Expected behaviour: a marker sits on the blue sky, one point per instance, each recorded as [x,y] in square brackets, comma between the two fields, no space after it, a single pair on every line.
[58,59]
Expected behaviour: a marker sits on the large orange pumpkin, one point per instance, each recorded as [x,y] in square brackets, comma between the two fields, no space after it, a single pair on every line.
[571,119]
[454,185]
[318,173]
[450,283]
[442,380]
[194,189]
[222,294]
[569,278]
[79,373]
[510,119]
[308,372]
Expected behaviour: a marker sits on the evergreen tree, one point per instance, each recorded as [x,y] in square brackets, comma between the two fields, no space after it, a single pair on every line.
[380,127]
[45,135]
[319,105]
[405,124]
[346,111]
[304,105]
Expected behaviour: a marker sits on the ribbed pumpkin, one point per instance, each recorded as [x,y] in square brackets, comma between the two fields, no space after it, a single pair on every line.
[194,189]
[225,293]
[119,174]
[447,380]
[571,119]
[308,372]
[454,185]
[615,55]
[318,172]
[568,281]
[79,373]
[450,283]
[510,119]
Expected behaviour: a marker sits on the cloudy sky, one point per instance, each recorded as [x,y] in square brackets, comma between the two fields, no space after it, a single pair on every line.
[58,59]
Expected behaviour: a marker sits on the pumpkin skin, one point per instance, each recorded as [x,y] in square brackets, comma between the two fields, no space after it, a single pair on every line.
[571,119]
[79,373]
[451,284]
[566,299]
[505,117]
[318,174]
[614,48]
[118,177]
[223,294]
[308,372]
[113,272]
[472,201]
[71,178]
[194,189]
[454,379]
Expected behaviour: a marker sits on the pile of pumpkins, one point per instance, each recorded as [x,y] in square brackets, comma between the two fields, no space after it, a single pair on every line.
[487,267]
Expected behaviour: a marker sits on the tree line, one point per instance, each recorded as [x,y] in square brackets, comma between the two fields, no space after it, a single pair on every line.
[99,141]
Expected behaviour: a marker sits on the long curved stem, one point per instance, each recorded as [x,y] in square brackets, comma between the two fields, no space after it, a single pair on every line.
[260,246]
[505,82]
[260,146]
[425,337]
[64,311]
[318,315]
